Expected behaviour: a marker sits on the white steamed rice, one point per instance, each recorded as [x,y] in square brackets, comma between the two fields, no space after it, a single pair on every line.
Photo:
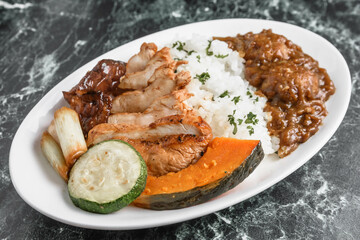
[226,73]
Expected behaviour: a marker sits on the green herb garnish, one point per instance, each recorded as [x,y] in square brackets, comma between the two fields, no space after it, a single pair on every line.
[224,94]
[180,47]
[189,52]
[256,100]
[209,53]
[251,118]
[249,94]
[198,58]
[203,77]
[239,121]
[236,99]
[221,56]
[231,120]
[251,130]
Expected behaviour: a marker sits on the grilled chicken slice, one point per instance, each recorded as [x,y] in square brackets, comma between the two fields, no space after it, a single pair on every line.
[170,153]
[139,61]
[171,125]
[168,105]
[165,81]
[167,145]
[173,100]
[141,79]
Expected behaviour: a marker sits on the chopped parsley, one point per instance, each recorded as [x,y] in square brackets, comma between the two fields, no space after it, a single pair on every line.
[224,94]
[236,99]
[209,53]
[189,52]
[221,56]
[231,119]
[180,47]
[256,100]
[177,59]
[251,118]
[198,58]
[249,94]
[251,130]
[203,77]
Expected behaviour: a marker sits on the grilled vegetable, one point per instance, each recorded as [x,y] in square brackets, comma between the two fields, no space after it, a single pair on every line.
[54,155]
[70,135]
[108,177]
[226,163]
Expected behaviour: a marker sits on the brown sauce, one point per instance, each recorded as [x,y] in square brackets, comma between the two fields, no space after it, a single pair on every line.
[92,97]
[293,82]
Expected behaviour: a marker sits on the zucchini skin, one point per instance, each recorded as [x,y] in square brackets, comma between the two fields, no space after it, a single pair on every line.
[204,193]
[109,207]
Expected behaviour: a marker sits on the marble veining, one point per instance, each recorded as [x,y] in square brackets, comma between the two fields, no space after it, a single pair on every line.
[43,42]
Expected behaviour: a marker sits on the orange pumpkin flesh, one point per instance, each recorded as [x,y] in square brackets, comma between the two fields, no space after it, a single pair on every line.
[226,163]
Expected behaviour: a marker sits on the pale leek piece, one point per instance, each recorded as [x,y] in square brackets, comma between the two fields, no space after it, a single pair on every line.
[71,137]
[52,131]
[54,155]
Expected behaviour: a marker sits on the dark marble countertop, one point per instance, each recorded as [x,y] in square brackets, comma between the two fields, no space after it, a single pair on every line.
[44,41]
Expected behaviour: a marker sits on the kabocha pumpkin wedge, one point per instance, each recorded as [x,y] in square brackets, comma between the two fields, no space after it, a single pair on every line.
[226,163]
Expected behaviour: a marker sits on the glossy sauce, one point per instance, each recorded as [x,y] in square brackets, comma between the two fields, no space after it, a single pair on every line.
[92,97]
[293,82]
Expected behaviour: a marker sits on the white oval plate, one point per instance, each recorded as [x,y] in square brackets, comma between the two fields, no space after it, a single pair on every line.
[39,185]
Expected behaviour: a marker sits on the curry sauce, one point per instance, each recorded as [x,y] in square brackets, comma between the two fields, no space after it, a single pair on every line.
[294,84]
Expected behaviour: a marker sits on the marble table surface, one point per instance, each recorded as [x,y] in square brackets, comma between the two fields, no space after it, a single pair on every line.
[44,41]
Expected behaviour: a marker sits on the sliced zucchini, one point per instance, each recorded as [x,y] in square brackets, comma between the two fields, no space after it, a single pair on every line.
[108,177]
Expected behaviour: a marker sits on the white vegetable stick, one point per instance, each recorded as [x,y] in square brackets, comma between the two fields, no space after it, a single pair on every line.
[52,131]
[70,135]
[54,155]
